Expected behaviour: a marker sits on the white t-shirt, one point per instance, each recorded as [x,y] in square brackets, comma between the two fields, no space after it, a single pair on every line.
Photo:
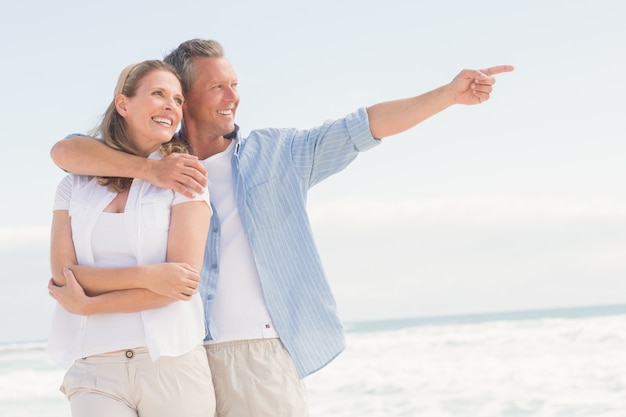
[239,310]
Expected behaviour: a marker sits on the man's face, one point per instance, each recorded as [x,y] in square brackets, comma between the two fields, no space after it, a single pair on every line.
[213,99]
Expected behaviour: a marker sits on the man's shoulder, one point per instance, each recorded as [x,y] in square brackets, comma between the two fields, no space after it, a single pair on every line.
[267,138]
[274,133]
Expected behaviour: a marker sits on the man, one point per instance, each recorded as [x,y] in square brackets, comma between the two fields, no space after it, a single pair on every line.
[271,317]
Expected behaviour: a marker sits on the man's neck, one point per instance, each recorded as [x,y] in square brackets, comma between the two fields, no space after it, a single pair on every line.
[207,145]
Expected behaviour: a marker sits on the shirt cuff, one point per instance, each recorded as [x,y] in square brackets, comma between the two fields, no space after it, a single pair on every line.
[359,129]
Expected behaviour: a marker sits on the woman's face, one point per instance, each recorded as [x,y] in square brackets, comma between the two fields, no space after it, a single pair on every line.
[154,112]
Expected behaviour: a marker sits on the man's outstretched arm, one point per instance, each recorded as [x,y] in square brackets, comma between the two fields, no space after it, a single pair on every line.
[468,87]
[86,156]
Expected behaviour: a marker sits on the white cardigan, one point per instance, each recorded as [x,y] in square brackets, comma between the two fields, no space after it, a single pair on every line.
[171,330]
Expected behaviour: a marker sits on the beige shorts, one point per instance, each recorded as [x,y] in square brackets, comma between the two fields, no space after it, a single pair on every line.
[128,383]
[256,378]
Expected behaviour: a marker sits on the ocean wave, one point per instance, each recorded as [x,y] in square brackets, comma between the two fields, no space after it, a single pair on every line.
[543,366]
[11,347]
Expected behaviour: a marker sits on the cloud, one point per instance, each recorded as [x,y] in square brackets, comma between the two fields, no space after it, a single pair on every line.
[477,212]
[414,257]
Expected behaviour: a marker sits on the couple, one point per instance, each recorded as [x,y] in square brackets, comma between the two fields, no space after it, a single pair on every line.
[270,317]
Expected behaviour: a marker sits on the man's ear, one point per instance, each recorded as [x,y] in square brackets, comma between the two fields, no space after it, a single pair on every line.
[121,102]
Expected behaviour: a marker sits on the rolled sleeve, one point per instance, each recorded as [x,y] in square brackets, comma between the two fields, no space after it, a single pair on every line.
[359,129]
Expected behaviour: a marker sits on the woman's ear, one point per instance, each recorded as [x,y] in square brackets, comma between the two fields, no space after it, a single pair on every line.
[120,104]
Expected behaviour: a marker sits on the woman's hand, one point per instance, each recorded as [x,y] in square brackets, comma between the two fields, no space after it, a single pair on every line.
[71,295]
[172,279]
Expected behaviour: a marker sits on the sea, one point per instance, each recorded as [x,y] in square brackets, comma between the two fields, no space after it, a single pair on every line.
[549,363]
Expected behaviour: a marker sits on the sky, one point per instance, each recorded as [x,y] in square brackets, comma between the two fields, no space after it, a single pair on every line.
[514,204]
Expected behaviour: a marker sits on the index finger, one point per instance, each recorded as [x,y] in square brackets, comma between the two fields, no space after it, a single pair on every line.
[498,69]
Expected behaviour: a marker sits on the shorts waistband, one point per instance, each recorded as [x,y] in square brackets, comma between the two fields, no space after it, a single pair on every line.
[123,355]
[243,342]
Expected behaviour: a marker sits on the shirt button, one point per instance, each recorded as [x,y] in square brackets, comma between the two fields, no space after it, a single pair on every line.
[129,354]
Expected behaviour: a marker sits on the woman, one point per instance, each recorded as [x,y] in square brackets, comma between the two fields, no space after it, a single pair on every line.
[133,341]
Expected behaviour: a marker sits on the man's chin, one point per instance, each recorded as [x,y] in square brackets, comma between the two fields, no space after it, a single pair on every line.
[228,129]
[232,133]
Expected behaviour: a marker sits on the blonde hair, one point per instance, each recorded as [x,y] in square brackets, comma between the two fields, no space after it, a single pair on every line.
[113,128]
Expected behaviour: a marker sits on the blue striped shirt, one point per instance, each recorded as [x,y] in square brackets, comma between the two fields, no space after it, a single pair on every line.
[273,170]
